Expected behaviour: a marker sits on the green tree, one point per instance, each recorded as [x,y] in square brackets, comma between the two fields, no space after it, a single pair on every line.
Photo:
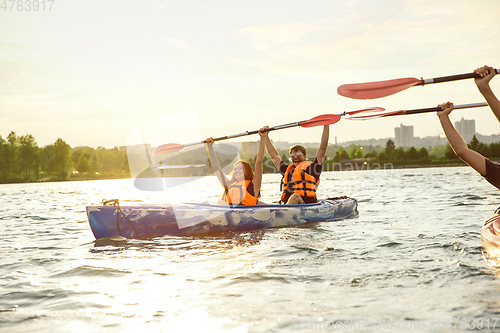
[3,163]
[125,166]
[495,149]
[371,154]
[382,156]
[94,163]
[10,155]
[389,149]
[352,153]
[474,143]
[61,161]
[112,159]
[356,152]
[46,156]
[341,155]
[88,152]
[423,154]
[412,154]
[483,149]
[83,165]
[28,160]
[399,154]
[438,152]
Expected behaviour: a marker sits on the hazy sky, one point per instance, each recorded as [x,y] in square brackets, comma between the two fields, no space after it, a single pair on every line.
[90,72]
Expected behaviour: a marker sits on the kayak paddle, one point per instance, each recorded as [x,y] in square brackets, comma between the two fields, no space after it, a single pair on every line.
[324,119]
[414,111]
[370,90]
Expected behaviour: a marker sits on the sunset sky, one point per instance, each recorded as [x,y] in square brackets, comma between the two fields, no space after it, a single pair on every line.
[90,72]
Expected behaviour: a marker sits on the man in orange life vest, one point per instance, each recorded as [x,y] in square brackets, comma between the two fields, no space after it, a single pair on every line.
[301,178]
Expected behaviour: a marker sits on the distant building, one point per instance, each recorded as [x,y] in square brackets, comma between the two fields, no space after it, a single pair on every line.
[249,147]
[466,128]
[404,136]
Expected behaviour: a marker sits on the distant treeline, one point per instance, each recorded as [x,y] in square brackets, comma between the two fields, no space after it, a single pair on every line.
[389,154]
[399,156]
[337,156]
[22,160]
[392,153]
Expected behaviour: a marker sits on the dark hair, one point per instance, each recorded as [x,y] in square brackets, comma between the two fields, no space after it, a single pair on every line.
[300,148]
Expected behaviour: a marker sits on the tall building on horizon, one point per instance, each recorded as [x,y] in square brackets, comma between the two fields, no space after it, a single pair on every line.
[466,128]
[404,136]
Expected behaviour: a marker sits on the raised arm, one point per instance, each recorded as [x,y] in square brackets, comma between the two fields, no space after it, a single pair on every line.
[271,150]
[321,153]
[215,163]
[483,84]
[259,168]
[457,143]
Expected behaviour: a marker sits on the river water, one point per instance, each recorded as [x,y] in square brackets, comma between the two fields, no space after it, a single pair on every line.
[410,261]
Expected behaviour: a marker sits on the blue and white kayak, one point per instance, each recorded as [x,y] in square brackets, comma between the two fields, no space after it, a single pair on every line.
[195,218]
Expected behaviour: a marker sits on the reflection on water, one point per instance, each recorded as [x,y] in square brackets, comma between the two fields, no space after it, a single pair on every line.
[207,243]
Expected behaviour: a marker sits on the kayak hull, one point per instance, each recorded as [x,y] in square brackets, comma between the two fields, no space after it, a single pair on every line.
[193,218]
[490,238]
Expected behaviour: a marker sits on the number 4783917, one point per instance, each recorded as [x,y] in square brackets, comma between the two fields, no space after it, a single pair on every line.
[26,5]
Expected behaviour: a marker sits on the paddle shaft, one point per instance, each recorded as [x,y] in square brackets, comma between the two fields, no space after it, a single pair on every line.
[434,109]
[451,78]
[325,119]
[278,127]
[416,111]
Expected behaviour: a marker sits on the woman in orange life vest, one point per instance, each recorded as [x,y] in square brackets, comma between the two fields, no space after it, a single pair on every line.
[488,169]
[301,178]
[243,188]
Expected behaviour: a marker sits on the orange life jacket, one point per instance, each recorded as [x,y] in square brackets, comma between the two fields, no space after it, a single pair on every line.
[237,194]
[300,182]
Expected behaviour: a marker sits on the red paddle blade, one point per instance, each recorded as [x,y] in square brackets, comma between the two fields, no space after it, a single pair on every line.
[378,115]
[374,109]
[324,119]
[167,148]
[370,90]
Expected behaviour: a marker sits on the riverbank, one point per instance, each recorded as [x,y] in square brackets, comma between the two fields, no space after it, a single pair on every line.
[51,178]
[348,165]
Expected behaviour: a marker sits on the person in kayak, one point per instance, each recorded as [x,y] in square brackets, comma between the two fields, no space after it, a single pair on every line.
[488,169]
[301,178]
[243,188]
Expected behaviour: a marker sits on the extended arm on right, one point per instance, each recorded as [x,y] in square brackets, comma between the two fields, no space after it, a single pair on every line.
[457,143]
[483,84]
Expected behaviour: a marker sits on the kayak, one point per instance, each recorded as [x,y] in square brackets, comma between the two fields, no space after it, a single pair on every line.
[197,218]
[490,237]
